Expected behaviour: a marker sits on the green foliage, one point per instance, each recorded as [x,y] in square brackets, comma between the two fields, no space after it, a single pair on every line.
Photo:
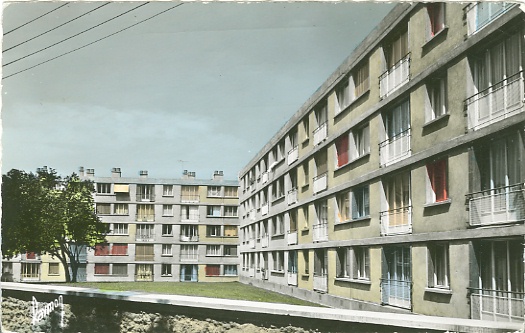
[43,212]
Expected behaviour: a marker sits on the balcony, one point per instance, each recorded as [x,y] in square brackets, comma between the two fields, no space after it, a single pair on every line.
[146,197]
[189,198]
[396,221]
[144,277]
[31,256]
[29,277]
[189,257]
[396,293]
[189,277]
[395,149]
[496,103]
[251,243]
[320,182]
[293,155]
[496,305]
[251,271]
[320,232]
[190,217]
[252,215]
[321,283]
[185,238]
[291,237]
[145,217]
[320,133]
[265,177]
[395,77]
[480,14]
[497,206]
[292,278]
[145,237]
[292,196]
[144,257]
[264,209]
[265,240]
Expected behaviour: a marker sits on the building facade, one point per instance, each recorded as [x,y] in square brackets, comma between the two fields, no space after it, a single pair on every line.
[160,230]
[398,185]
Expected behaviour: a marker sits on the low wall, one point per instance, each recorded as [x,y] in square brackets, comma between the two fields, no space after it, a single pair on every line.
[91,310]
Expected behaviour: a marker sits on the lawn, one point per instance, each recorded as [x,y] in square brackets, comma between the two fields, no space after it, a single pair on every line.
[229,290]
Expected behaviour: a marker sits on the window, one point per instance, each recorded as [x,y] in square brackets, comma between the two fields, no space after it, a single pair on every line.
[213,250]
[167,190]
[145,192]
[437,264]
[213,230]
[103,209]
[292,215]
[306,258]
[278,225]
[166,250]
[189,193]
[102,249]
[353,263]
[360,202]
[278,261]
[144,252]
[397,49]
[306,128]
[321,114]
[103,188]
[213,270]
[304,210]
[436,16]
[230,211]
[144,232]
[53,268]
[145,213]
[167,230]
[214,211]
[121,209]
[214,191]
[120,269]
[397,121]
[119,249]
[437,181]
[230,250]
[167,210]
[343,206]
[189,213]
[230,231]
[292,262]
[341,146]
[278,189]
[231,191]
[165,270]
[360,142]
[189,233]
[102,269]
[321,209]
[189,252]
[120,229]
[436,105]
[306,177]
[30,271]
[230,269]
[361,79]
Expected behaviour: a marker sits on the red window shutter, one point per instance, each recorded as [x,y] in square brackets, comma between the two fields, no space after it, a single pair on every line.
[431,14]
[101,268]
[101,250]
[342,150]
[437,173]
[213,270]
[119,249]
[30,255]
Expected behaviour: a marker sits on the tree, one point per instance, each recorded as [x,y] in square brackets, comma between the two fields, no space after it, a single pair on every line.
[46,213]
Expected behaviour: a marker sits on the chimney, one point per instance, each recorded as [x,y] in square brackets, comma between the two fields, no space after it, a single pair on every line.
[115,172]
[90,172]
[188,174]
[218,175]
[81,171]
[143,173]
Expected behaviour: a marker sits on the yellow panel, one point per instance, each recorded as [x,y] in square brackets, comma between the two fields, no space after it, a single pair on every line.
[120,188]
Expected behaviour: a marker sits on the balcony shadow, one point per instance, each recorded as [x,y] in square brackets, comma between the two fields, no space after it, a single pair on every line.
[352,224]
[435,125]
[353,285]
[437,297]
[437,209]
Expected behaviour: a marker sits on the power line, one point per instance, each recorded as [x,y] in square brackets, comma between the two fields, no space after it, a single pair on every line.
[61,25]
[33,20]
[96,41]
[75,35]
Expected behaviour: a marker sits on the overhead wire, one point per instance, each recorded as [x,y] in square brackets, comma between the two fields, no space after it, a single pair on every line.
[61,25]
[75,35]
[33,20]
[96,41]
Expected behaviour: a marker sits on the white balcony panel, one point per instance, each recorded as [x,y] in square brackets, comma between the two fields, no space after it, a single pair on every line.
[320,183]
[395,77]
[292,196]
[251,271]
[396,221]
[251,243]
[496,305]
[265,240]
[292,279]
[321,283]
[320,232]
[252,215]
[320,133]
[497,206]
[265,177]
[396,292]
[291,237]
[293,155]
[395,149]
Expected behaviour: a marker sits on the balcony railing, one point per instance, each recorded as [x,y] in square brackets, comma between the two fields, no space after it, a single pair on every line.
[146,197]
[251,243]
[251,271]
[320,182]
[292,278]
[188,277]
[185,238]
[497,305]
[293,155]
[147,237]
[189,257]
[480,14]
[190,217]
[320,232]
[497,206]
[320,133]
[144,277]
[264,209]
[30,277]
[144,257]
[395,77]
[189,198]
[292,196]
[321,283]
[500,101]
[264,177]
[396,292]
[291,237]
[396,221]
[395,149]
[252,215]
[145,217]
[265,240]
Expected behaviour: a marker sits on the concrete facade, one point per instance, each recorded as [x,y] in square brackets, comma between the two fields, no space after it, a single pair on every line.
[398,185]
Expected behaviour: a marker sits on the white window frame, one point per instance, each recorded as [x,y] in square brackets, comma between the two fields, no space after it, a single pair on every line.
[121,209]
[167,190]
[167,250]
[166,270]
[167,230]
[214,191]
[167,210]
[213,250]
[438,254]
[120,229]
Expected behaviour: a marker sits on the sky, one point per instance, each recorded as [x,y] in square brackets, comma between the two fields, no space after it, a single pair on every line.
[197,86]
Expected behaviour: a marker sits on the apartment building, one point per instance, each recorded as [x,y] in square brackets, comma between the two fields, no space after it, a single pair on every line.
[160,230]
[399,184]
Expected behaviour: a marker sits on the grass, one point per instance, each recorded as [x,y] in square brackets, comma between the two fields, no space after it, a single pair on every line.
[228,290]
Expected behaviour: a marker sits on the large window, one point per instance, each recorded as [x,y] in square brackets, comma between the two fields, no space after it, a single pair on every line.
[436,105]
[437,263]
[213,230]
[145,213]
[397,120]
[166,270]
[230,231]
[213,250]
[436,18]
[343,207]
[121,209]
[230,269]
[120,269]
[213,270]
[119,249]
[189,252]
[103,209]
[167,210]
[189,193]
[120,229]
[352,86]
[437,181]
[342,149]
[214,211]
[230,211]
[278,261]
[101,269]
[166,250]
[353,263]
[230,250]
[397,48]
[144,252]
[360,143]
[167,230]
[360,202]
[103,188]
[167,190]
[102,249]
[145,192]
[189,213]
[231,191]
[53,268]
[214,191]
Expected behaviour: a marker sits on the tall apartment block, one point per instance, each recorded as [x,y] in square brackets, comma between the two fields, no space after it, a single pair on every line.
[399,184]
[161,230]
